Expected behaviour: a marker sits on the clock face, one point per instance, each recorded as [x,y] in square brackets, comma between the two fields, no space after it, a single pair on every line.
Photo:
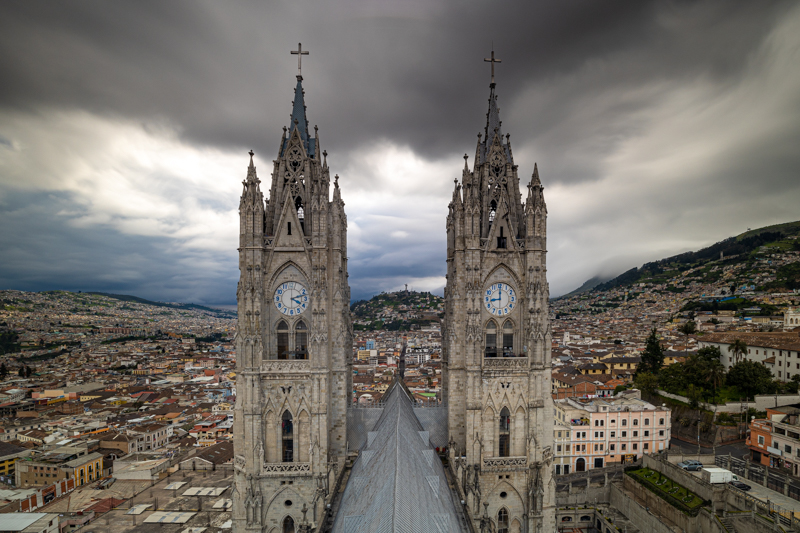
[500,299]
[291,298]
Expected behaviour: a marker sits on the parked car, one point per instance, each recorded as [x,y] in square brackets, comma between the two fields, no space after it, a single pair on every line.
[739,485]
[691,465]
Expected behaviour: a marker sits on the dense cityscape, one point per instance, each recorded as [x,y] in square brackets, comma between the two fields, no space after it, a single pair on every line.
[115,393]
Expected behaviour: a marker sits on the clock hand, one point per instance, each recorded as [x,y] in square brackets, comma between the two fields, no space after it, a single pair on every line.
[296,299]
[494,300]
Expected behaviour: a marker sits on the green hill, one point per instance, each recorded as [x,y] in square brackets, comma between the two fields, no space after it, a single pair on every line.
[128,298]
[397,311]
[743,250]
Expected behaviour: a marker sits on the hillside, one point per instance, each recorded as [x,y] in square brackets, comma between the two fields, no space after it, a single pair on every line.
[397,311]
[127,298]
[747,254]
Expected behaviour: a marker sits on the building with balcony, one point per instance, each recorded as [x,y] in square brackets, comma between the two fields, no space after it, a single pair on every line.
[603,431]
[775,440]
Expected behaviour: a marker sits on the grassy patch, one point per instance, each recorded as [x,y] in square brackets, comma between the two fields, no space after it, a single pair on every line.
[673,493]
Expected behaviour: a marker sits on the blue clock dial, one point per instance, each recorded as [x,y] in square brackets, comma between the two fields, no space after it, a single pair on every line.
[291,298]
[499,299]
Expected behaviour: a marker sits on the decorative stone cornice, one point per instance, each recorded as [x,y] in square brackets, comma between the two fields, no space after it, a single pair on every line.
[282,469]
[501,464]
[279,365]
[510,363]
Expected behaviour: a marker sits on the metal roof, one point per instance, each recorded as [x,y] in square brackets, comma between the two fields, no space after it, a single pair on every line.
[19,521]
[397,483]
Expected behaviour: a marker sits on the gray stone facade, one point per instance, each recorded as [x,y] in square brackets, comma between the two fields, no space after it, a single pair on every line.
[294,339]
[496,341]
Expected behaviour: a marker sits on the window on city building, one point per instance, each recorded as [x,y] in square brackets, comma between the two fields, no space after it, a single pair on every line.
[558,447]
[660,421]
[623,447]
[645,446]
[624,434]
[624,421]
[283,340]
[761,440]
[613,420]
[508,338]
[491,339]
[635,433]
[613,434]
[661,433]
[611,447]
[635,422]
[301,340]
[646,421]
[646,433]
[505,436]
[287,437]
[635,446]
[502,521]
[787,448]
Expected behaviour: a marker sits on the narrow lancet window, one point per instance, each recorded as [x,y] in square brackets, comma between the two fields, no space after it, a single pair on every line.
[491,340]
[283,340]
[508,339]
[301,341]
[505,433]
[287,437]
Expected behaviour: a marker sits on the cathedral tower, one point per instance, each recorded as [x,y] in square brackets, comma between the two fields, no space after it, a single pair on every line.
[294,338]
[496,340]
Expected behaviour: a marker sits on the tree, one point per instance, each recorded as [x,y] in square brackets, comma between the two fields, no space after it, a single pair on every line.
[646,382]
[693,394]
[688,328]
[21,372]
[28,371]
[3,371]
[749,377]
[653,355]
[715,374]
[738,348]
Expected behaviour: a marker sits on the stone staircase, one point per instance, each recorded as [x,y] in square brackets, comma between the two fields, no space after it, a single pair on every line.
[728,524]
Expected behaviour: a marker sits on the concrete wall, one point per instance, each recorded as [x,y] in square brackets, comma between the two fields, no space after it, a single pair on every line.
[635,512]
[761,402]
[581,495]
[651,513]
[707,491]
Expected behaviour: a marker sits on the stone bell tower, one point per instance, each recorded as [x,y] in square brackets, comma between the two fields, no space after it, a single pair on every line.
[294,338]
[496,340]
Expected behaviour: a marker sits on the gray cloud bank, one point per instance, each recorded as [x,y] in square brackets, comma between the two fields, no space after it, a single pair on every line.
[658,127]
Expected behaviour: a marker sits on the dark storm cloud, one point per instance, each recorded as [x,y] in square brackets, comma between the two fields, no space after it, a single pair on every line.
[650,121]
[56,255]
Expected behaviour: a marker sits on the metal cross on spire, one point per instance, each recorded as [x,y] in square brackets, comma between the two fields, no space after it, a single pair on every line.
[492,61]
[299,53]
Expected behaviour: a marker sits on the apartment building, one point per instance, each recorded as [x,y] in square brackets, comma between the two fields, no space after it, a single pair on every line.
[775,440]
[603,431]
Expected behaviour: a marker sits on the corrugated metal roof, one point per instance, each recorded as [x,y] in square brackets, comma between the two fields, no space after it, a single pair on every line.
[397,482]
[19,521]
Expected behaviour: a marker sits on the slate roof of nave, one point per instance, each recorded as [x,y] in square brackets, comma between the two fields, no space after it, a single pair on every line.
[398,483]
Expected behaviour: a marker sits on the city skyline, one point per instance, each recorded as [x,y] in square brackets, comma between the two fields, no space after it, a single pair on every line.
[124,130]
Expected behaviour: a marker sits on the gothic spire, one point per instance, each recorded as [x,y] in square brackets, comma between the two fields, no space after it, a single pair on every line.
[492,118]
[298,119]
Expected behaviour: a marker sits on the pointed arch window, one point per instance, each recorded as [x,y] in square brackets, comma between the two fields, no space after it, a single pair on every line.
[283,339]
[301,340]
[287,437]
[502,521]
[508,339]
[492,211]
[505,433]
[491,339]
[288,525]
[301,213]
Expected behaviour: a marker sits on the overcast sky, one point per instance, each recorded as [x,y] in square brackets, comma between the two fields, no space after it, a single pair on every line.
[658,127]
